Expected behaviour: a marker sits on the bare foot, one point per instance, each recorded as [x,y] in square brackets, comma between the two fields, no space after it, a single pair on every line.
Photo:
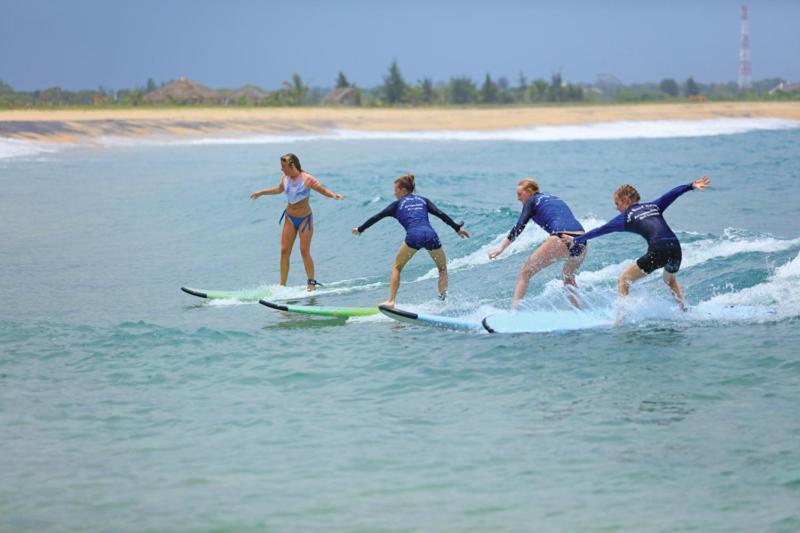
[311,288]
[387,303]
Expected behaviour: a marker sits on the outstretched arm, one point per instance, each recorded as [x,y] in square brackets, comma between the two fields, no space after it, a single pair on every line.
[320,188]
[442,215]
[494,253]
[615,224]
[526,214]
[666,200]
[390,211]
[272,190]
[522,221]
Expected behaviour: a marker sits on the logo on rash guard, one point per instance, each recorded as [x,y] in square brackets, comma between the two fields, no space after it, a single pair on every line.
[641,212]
[540,197]
[412,204]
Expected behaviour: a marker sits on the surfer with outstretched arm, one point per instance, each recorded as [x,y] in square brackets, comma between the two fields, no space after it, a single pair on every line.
[412,212]
[297,184]
[553,215]
[647,219]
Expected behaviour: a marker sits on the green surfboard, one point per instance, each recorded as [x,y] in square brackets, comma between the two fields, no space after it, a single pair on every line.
[322,310]
[251,295]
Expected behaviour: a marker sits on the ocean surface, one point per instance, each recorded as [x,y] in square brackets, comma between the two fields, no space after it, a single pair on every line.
[127,405]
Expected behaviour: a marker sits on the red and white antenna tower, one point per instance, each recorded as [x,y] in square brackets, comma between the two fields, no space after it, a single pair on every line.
[744,53]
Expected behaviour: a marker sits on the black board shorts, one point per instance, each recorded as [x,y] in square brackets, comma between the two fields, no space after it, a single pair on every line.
[666,255]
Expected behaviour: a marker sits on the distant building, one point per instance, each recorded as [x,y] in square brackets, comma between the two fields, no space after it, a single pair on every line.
[343,96]
[608,83]
[183,91]
[785,87]
[249,94]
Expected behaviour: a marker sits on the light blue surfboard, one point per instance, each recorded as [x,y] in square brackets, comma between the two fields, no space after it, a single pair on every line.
[544,321]
[511,322]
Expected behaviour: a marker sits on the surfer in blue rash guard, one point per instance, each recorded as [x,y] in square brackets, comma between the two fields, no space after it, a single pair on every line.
[553,215]
[412,212]
[646,219]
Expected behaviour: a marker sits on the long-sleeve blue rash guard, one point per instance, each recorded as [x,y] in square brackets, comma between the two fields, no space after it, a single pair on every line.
[549,212]
[412,212]
[646,219]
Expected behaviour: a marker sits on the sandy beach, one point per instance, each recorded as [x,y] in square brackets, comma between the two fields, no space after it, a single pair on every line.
[69,126]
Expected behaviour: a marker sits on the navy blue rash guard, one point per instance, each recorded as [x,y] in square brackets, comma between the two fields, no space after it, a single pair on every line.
[548,212]
[412,212]
[646,219]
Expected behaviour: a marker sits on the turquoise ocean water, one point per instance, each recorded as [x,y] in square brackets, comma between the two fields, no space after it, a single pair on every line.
[128,405]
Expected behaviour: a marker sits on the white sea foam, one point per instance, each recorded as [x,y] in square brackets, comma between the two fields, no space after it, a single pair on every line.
[780,294]
[20,148]
[776,298]
[695,253]
[296,292]
[645,129]
[640,129]
[732,243]
[166,140]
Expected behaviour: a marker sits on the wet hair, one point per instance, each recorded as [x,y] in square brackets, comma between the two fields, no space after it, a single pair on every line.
[629,193]
[291,159]
[406,183]
[529,185]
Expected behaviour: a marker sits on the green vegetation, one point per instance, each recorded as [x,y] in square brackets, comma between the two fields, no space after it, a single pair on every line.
[395,91]
[341,81]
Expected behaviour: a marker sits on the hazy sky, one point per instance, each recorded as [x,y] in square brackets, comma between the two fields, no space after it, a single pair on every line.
[81,44]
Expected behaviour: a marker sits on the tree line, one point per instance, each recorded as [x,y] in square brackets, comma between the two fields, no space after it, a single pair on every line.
[396,91]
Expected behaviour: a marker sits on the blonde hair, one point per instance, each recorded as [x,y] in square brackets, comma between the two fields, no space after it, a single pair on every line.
[406,183]
[529,185]
[629,193]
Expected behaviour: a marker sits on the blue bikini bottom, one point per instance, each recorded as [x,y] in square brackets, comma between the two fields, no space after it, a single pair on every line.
[299,223]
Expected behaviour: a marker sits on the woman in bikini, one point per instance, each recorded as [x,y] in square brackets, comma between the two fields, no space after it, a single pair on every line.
[297,184]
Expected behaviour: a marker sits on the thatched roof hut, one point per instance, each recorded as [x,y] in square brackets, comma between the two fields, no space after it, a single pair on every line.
[343,96]
[249,94]
[183,91]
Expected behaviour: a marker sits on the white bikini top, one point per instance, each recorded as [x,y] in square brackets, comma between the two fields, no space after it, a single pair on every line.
[299,188]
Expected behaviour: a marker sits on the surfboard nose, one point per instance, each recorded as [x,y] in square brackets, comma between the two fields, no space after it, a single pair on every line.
[392,311]
[194,292]
[273,306]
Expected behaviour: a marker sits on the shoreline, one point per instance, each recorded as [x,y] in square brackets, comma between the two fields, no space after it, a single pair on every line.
[77,126]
